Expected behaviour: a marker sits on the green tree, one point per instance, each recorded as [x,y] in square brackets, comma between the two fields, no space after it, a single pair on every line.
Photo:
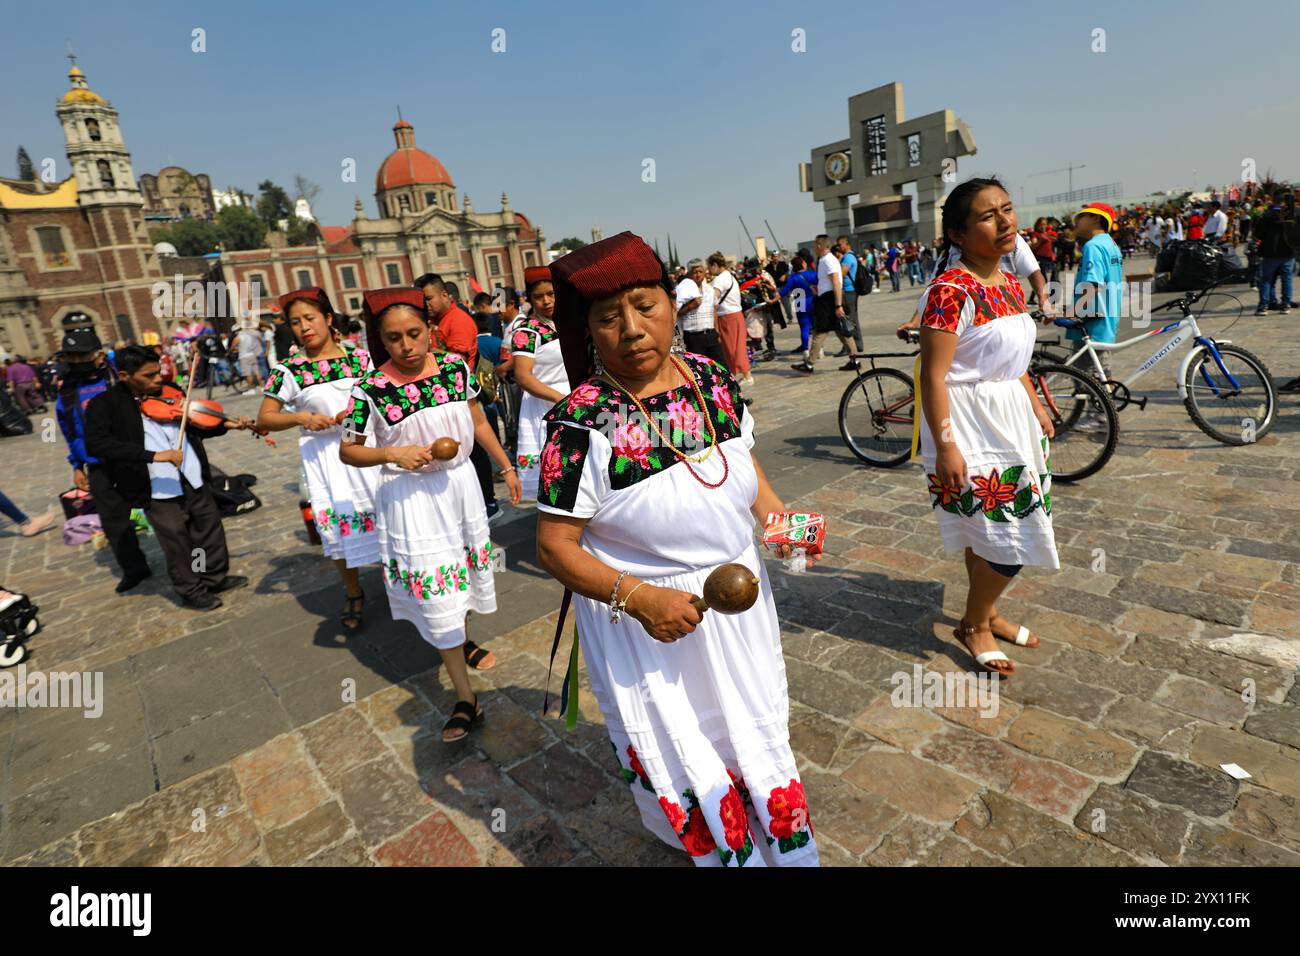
[191,237]
[25,169]
[572,243]
[240,229]
[273,204]
[300,232]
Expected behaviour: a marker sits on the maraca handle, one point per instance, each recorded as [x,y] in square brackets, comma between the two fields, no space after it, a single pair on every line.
[700,604]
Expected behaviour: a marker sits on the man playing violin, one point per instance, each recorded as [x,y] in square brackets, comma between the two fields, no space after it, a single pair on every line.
[151,468]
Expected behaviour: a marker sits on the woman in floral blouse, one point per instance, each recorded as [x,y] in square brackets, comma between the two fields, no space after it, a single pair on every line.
[433,532]
[311,391]
[984,436]
[647,484]
[538,367]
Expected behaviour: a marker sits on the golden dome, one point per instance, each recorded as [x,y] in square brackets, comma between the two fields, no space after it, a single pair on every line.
[80,92]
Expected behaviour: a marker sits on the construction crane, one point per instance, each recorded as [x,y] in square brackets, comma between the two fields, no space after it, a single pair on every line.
[1064,169]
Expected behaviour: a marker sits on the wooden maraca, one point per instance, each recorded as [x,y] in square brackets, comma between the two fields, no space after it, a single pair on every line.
[445,449]
[729,589]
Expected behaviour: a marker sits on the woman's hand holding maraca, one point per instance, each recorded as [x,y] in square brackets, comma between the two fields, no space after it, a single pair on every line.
[665,613]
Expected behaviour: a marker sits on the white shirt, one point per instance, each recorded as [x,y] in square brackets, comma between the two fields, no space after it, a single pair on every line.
[1217,224]
[1020,261]
[702,318]
[728,291]
[827,268]
[165,478]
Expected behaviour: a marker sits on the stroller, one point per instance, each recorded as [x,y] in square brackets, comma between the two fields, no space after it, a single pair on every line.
[18,622]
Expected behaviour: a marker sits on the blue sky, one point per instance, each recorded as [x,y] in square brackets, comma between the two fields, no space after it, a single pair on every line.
[712,91]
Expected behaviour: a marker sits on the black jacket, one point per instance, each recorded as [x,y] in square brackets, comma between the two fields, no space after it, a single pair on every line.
[115,435]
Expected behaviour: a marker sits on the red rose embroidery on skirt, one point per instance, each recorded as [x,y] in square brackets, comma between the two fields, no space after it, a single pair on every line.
[697,839]
[675,814]
[735,824]
[788,808]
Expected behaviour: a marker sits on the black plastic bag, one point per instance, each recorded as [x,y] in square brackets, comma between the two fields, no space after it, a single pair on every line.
[1197,265]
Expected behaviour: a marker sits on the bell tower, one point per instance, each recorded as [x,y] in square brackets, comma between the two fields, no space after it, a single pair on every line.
[98,156]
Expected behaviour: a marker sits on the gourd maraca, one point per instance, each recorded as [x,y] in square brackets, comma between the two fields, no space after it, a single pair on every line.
[729,589]
[445,449]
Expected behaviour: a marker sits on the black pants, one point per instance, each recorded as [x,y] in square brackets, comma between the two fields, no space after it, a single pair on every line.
[184,526]
[115,518]
[851,327]
[483,469]
[706,342]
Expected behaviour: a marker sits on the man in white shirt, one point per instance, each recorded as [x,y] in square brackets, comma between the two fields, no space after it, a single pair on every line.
[696,316]
[1216,224]
[732,329]
[828,307]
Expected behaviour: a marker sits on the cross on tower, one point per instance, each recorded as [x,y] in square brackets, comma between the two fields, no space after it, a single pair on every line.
[72,56]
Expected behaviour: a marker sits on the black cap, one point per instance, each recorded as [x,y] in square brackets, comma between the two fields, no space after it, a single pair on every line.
[80,341]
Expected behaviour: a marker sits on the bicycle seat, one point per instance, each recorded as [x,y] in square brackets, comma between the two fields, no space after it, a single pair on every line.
[1068,323]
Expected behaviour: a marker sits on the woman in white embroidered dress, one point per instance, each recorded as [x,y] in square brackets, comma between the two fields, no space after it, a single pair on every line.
[538,368]
[433,532]
[696,705]
[983,433]
[312,391]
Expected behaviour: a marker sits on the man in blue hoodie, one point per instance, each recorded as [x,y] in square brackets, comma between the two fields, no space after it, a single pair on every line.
[89,375]
[803,280]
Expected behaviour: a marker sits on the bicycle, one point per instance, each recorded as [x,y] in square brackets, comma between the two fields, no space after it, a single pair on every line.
[1205,380]
[878,409]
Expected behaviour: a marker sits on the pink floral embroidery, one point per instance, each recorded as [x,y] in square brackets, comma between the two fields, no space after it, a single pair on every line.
[583,396]
[682,414]
[630,441]
[379,380]
[552,462]
[393,412]
[308,378]
[323,366]
[722,396]
[439,394]
[460,383]
[345,528]
[368,523]
[412,392]
[520,340]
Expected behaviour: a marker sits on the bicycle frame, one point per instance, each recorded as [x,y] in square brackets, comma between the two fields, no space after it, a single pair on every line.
[1182,327]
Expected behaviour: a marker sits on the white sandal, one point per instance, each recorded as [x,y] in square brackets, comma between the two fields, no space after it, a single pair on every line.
[983,659]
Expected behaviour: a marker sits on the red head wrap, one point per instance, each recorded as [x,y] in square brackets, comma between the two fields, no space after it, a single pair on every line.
[536,274]
[596,271]
[375,302]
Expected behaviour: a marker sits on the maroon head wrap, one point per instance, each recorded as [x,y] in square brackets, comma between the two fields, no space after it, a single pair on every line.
[375,302]
[534,275]
[593,272]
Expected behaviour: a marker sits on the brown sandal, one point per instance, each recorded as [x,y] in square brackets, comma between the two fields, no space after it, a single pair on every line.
[352,611]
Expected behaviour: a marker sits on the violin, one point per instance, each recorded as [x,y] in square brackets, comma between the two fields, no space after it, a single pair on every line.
[168,406]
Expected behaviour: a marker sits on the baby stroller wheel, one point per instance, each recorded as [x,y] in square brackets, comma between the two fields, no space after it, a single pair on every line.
[12,653]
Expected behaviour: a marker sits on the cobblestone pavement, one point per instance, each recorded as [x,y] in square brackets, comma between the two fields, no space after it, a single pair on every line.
[226,738]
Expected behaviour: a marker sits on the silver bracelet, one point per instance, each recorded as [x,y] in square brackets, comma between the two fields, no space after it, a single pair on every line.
[615,605]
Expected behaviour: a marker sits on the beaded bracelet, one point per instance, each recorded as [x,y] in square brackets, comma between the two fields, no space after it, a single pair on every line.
[615,605]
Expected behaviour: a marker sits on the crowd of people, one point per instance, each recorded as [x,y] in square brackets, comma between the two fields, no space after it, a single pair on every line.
[629,425]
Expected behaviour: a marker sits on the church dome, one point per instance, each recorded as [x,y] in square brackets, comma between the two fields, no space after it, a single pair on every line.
[408,165]
[80,92]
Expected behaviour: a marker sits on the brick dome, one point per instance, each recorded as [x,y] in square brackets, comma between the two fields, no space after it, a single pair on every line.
[407,165]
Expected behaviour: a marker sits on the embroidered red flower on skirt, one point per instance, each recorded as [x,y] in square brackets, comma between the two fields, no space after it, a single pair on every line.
[697,839]
[735,824]
[636,765]
[788,808]
[993,491]
[675,814]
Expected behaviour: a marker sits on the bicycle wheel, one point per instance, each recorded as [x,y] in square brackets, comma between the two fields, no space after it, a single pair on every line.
[1234,416]
[1086,424]
[876,413]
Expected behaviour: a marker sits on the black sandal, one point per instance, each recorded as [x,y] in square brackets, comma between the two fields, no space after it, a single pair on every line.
[475,655]
[465,716]
[352,611]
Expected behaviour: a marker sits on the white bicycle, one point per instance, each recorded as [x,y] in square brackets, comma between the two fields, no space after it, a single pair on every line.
[1227,390]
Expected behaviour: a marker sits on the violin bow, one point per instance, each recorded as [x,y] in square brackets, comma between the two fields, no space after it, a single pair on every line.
[185,410]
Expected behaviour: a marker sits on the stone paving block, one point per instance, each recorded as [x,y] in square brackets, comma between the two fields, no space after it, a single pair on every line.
[825,690]
[1042,687]
[381,799]
[906,843]
[1148,723]
[294,842]
[1279,723]
[1272,817]
[814,736]
[1095,752]
[1272,765]
[509,733]
[1203,701]
[395,706]
[1182,784]
[340,742]
[1210,845]
[852,818]
[351,852]
[1109,672]
[1123,819]
[152,831]
[541,841]
[434,841]
[902,727]
[56,809]
[991,721]
[609,825]
[218,738]
[285,794]
[1012,831]
[559,779]
[854,744]
[918,788]
[231,840]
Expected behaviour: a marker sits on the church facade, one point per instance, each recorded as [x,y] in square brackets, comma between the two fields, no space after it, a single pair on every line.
[79,245]
[421,228]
